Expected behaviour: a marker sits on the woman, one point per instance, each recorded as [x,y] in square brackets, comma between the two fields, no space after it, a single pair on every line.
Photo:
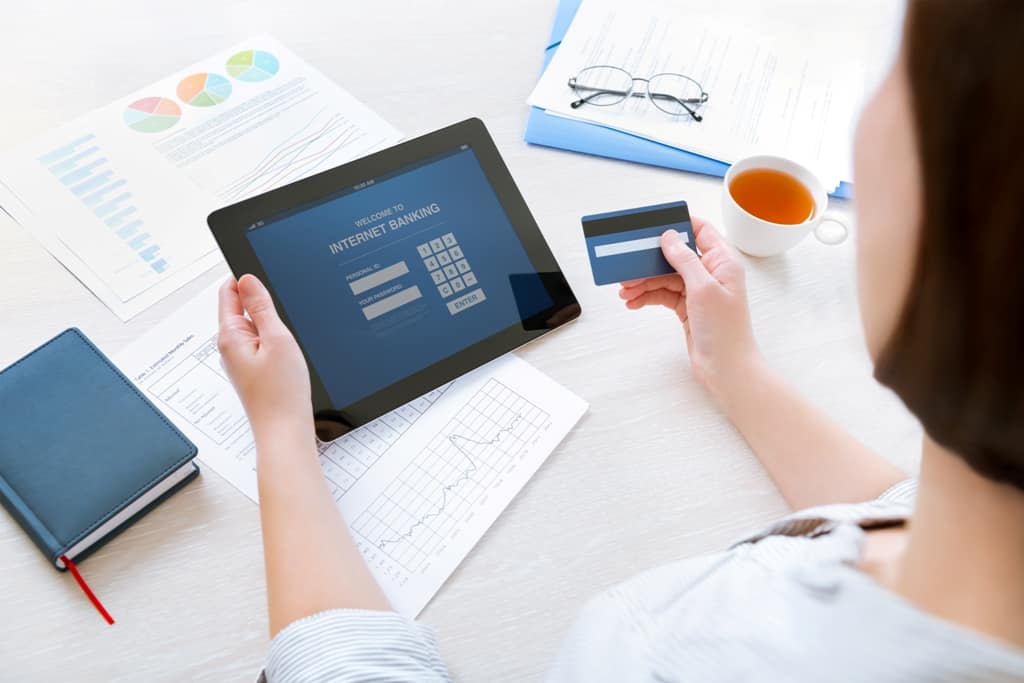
[923,583]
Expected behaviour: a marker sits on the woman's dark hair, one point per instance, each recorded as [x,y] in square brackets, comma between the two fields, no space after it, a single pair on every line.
[956,357]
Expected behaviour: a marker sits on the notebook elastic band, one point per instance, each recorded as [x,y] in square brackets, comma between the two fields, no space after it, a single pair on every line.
[88,591]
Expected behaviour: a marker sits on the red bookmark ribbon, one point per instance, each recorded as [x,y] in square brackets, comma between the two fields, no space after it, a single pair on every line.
[88,591]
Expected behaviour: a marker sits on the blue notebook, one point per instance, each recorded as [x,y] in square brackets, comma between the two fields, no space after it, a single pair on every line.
[591,138]
[83,453]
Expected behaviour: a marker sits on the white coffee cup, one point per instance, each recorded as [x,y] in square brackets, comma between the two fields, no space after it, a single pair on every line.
[758,237]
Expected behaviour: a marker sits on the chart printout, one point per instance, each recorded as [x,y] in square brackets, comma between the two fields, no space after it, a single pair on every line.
[418,486]
[120,196]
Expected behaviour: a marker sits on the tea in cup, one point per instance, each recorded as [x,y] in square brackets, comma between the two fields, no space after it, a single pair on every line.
[771,203]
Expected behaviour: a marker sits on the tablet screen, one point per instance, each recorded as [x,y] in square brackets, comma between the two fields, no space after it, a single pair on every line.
[389,276]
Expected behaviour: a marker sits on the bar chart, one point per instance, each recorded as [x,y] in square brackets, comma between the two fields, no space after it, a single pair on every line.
[81,167]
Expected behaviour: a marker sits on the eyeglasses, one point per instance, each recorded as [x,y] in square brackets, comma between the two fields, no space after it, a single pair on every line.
[604,86]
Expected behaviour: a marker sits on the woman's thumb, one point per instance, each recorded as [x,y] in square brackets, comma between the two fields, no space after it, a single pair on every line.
[684,259]
[258,304]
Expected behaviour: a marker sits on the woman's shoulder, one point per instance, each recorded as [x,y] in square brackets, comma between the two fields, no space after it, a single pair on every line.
[785,604]
[894,504]
[669,620]
[819,536]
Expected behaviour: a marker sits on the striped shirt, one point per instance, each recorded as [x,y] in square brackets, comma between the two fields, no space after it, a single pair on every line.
[787,604]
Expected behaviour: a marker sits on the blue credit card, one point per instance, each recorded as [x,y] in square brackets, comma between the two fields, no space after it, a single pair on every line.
[626,245]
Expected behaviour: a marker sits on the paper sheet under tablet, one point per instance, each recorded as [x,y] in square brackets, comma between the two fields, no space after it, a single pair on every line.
[418,486]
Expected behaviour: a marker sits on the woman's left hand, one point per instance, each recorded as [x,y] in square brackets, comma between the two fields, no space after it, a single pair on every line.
[262,358]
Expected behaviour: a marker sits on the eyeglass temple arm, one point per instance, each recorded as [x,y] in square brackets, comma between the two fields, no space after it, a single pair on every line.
[594,93]
[683,103]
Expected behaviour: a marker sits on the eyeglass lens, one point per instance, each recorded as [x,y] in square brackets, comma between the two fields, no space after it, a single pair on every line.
[674,93]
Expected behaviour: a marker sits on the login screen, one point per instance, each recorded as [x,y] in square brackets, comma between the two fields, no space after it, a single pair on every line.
[387,277]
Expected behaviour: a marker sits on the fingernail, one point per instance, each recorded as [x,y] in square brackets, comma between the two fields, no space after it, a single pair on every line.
[674,240]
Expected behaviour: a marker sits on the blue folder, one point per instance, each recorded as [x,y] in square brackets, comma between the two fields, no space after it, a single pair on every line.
[549,130]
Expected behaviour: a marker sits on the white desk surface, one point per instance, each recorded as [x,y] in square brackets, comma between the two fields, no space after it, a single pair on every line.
[652,474]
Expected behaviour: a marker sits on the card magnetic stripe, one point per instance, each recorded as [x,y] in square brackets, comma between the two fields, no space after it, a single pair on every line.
[625,221]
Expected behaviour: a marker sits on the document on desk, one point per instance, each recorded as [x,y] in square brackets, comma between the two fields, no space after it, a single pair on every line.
[120,196]
[418,486]
[781,77]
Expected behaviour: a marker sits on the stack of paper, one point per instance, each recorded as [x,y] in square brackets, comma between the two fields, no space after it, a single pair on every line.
[120,196]
[418,486]
[786,78]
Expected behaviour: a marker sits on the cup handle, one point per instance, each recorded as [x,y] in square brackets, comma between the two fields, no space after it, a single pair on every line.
[837,237]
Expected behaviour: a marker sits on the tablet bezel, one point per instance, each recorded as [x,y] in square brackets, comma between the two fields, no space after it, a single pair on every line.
[231,224]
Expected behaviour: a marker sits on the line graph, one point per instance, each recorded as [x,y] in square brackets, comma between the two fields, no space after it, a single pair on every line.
[461,443]
[426,503]
[297,156]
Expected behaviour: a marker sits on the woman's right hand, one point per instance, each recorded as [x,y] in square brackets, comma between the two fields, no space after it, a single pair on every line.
[708,293]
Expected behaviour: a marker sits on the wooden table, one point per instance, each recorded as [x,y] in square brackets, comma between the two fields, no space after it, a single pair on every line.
[652,474]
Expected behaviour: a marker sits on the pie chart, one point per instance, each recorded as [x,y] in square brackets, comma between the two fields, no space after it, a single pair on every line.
[152,114]
[253,65]
[204,90]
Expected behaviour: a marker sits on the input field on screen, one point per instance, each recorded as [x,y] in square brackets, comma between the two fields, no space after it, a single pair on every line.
[388,304]
[377,278]
[630,246]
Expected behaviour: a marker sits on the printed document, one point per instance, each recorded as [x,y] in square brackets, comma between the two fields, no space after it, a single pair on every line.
[418,487]
[120,196]
[781,77]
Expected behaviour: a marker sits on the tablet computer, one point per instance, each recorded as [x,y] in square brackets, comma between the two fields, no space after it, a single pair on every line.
[400,271]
